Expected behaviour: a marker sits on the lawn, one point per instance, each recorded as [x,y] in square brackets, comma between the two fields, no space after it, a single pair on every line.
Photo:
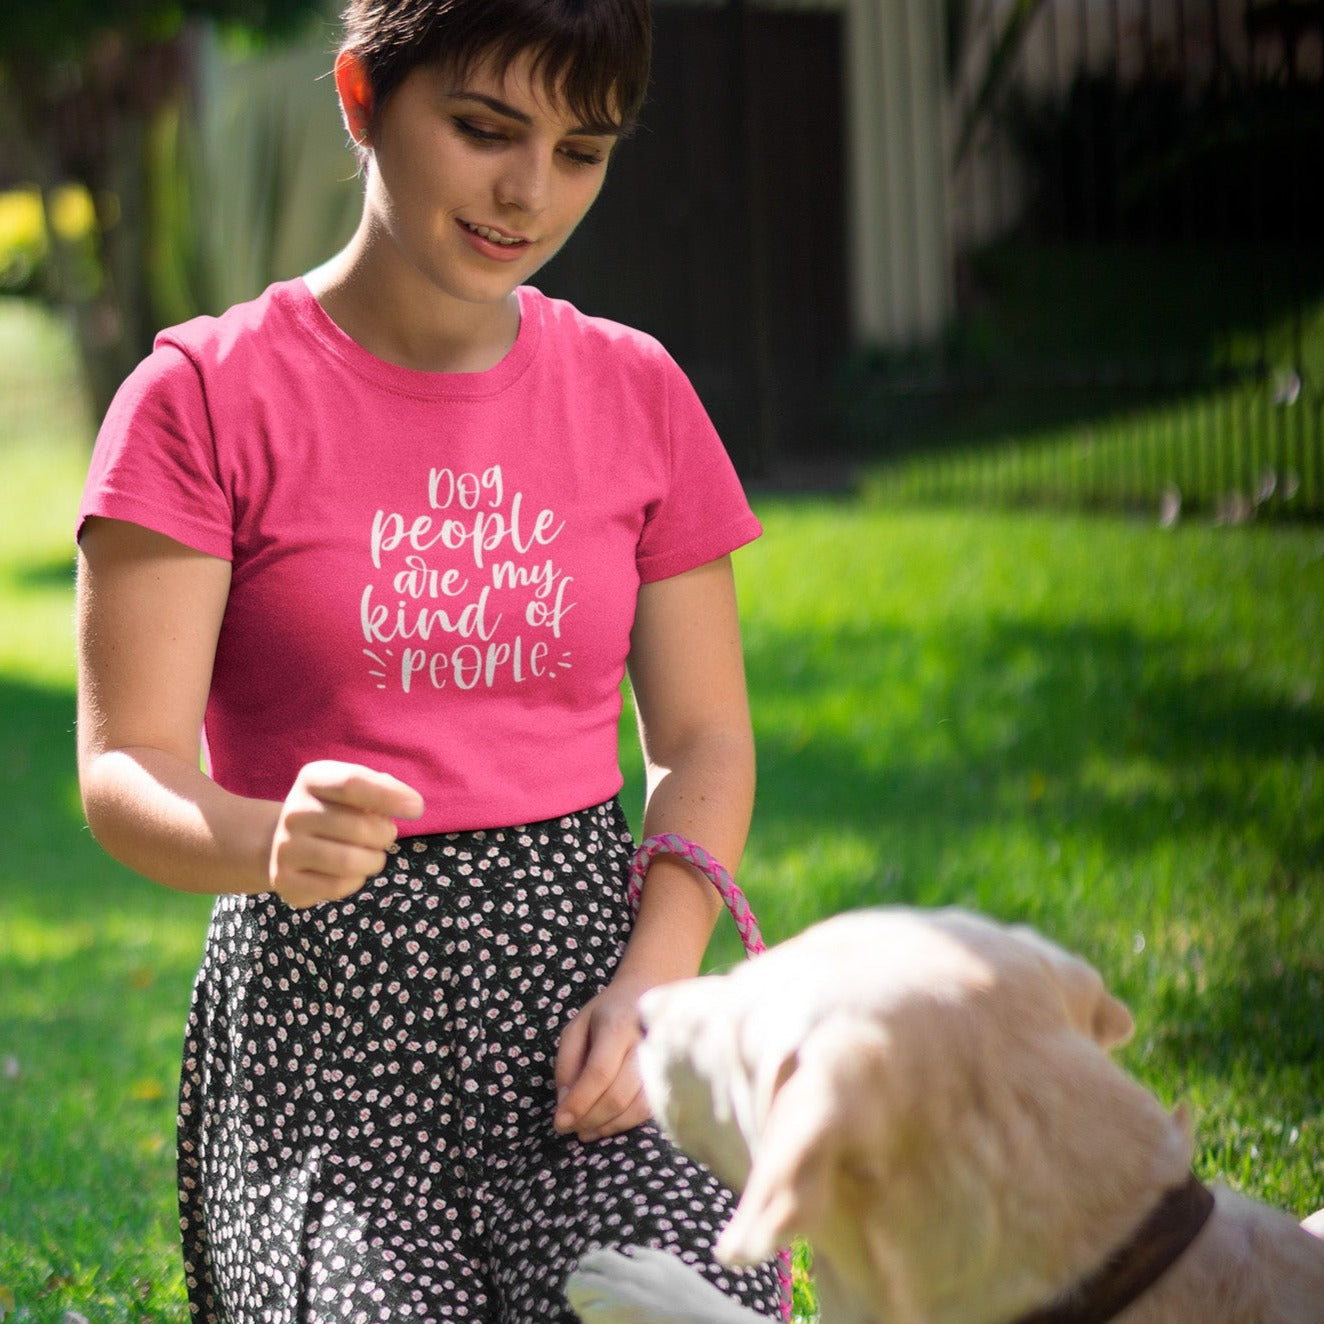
[1110,730]
[1127,377]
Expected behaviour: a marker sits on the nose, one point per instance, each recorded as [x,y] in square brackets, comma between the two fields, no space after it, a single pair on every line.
[525,180]
[647,1007]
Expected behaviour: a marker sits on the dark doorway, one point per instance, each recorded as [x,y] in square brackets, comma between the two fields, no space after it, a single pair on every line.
[722,228]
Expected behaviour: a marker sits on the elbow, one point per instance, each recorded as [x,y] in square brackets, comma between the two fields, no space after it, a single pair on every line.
[120,805]
[96,782]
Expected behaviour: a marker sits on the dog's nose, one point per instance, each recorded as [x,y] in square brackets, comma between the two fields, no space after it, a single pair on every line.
[645,1009]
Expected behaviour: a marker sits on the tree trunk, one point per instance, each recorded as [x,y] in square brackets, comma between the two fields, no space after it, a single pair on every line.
[109,306]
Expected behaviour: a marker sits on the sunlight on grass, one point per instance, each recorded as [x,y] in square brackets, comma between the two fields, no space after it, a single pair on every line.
[44,437]
[1106,729]
[95,966]
[41,400]
[1102,728]
[1227,453]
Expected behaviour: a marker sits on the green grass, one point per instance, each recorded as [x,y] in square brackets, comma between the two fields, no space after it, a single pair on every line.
[1111,376]
[1109,730]
[95,965]
[1231,454]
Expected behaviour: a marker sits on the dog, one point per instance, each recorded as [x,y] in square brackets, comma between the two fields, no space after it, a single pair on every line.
[927,1097]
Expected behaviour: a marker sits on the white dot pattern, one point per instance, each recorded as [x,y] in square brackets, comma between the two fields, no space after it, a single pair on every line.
[367,1094]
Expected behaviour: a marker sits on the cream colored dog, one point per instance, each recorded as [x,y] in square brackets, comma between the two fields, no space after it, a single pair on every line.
[927,1098]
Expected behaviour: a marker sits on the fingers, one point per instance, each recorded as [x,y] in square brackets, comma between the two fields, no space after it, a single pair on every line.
[302,889]
[570,1058]
[334,831]
[363,789]
[309,869]
[604,1119]
[314,821]
[599,1092]
[638,1112]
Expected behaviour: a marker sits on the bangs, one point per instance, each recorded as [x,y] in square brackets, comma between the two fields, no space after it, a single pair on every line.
[590,55]
[578,64]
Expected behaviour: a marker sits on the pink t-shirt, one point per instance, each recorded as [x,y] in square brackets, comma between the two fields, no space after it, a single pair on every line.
[433,574]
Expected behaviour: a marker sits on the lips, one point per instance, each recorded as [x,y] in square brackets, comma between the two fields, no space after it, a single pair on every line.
[494,236]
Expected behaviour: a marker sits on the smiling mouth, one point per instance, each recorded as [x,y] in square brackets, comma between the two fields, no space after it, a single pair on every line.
[493,236]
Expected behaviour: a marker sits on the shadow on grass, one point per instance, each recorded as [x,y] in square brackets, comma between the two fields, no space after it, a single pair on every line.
[1267,1017]
[1058,335]
[1098,730]
[1118,794]
[95,971]
[51,866]
[55,574]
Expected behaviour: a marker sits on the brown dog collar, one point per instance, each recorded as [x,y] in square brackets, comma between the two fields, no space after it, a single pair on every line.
[1133,1268]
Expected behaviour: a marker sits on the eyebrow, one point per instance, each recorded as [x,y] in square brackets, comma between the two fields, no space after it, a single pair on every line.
[510,112]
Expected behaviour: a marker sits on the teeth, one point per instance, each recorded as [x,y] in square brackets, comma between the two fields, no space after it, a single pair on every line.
[494,236]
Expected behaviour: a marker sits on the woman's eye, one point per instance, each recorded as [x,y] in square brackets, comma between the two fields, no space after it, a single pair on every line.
[587,156]
[477,132]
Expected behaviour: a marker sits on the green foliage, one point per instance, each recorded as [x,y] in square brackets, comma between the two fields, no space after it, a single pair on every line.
[93,93]
[62,29]
[1006,47]
[25,241]
[1110,158]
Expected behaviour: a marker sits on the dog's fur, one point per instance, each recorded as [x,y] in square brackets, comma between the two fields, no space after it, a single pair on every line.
[927,1098]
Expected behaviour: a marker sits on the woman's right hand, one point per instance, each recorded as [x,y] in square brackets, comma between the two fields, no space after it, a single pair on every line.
[149,617]
[334,830]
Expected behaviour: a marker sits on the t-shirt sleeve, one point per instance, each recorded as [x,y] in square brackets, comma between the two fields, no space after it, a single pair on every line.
[704,513]
[154,462]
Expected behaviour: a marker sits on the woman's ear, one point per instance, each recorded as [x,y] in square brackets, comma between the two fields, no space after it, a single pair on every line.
[356,99]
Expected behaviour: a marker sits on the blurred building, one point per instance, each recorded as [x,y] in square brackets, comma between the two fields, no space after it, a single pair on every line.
[808,173]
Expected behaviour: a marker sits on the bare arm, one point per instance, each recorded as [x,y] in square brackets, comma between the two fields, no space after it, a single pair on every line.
[149,615]
[687,672]
[688,676]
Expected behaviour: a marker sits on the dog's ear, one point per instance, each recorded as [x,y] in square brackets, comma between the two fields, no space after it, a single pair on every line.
[1090,1007]
[810,1137]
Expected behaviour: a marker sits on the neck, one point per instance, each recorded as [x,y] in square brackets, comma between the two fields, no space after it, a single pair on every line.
[1133,1268]
[399,317]
[1082,1191]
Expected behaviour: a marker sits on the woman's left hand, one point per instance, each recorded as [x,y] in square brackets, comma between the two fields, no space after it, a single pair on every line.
[688,681]
[599,1092]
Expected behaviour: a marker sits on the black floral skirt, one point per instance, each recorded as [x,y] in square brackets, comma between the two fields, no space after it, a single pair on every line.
[365,1118]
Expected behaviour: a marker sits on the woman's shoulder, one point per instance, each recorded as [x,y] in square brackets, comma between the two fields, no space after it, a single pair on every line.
[243,328]
[571,330]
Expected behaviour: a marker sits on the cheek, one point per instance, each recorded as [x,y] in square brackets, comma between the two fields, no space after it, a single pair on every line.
[579,197]
[678,1096]
[701,1116]
[416,182]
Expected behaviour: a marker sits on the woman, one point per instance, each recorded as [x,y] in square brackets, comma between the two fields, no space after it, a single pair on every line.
[389,536]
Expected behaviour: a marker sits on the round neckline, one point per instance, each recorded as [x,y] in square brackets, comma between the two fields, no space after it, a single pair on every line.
[414,381]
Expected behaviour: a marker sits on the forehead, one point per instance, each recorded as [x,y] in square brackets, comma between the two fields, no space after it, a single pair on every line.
[528,79]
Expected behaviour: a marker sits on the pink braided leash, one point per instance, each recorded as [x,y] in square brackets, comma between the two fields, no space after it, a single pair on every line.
[669,843]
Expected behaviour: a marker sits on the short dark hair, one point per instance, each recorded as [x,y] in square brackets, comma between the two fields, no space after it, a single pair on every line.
[593,53]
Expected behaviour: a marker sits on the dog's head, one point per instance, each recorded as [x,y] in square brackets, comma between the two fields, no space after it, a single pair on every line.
[879,1084]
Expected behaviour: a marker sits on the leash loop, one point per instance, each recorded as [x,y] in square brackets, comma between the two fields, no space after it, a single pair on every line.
[671,843]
